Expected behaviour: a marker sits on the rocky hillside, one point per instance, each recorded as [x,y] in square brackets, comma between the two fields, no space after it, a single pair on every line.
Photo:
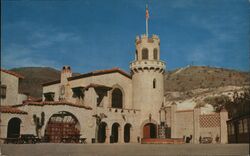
[34,77]
[200,77]
[178,83]
[195,86]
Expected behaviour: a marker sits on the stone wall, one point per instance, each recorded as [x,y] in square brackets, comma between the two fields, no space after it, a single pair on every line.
[184,123]
[11,90]
[114,80]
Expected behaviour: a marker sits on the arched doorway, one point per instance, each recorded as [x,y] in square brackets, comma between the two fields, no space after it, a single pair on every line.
[127,129]
[115,133]
[149,130]
[117,98]
[14,128]
[102,132]
[62,127]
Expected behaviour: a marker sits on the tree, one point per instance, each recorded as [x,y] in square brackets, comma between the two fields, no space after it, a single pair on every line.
[218,102]
[240,105]
[39,123]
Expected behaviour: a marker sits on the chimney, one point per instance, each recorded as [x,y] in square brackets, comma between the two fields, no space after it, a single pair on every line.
[65,73]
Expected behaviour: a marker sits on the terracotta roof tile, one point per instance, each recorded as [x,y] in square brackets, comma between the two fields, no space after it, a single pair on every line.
[30,98]
[51,83]
[43,103]
[101,72]
[11,110]
[12,73]
[185,110]
[94,73]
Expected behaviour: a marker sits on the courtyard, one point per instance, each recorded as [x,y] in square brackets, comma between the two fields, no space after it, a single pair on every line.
[124,150]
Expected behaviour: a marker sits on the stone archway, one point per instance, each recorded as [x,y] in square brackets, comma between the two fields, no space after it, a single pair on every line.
[149,130]
[127,133]
[114,138]
[62,126]
[102,132]
[14,128]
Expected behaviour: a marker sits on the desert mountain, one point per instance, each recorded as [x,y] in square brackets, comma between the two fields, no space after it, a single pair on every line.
[180,84]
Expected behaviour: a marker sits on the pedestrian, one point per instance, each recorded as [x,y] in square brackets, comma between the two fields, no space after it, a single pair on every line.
[217,139]
[138,139]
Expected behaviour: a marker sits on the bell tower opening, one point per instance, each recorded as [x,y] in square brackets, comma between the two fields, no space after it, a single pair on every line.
[155,54]
[145,54]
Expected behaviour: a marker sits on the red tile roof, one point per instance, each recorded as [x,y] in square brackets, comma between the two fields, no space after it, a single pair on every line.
[11,110]
[30,98]
[51,83]
[94,73]
[101,72]
[54,103]
[12,73]
[186,110]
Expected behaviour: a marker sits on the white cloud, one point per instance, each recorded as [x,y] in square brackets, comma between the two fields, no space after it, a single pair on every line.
[19,56]
[47,39]
[39,41]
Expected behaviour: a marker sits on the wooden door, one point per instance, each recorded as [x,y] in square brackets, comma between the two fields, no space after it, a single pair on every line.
[146,131]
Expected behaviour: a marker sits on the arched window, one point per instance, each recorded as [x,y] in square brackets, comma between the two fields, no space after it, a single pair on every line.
[154,83]
[155,54]
[117,98]
[144,53]
[13,130]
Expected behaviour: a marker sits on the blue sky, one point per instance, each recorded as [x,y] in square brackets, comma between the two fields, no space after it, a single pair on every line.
[99,34]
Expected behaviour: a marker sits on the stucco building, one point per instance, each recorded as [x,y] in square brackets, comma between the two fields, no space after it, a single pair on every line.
[108,106]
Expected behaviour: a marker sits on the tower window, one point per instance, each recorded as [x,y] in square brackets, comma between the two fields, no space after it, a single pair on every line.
[144,53]
[136,55]
[155,54]
[154,83]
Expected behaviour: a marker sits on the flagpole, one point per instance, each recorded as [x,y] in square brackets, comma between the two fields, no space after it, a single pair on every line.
[147,27]
[147,20]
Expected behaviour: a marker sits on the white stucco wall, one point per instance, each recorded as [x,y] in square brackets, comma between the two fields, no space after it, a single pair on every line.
[11,90]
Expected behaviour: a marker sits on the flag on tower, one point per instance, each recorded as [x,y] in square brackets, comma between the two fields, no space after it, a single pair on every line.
[147,12]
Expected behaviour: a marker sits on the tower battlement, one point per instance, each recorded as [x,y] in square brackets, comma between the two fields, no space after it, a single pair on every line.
[148,66]
[145,39]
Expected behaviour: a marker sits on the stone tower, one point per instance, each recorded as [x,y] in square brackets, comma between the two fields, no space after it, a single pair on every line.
[148,77]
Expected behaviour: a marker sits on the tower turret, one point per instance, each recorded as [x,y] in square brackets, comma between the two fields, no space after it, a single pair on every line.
[148,77]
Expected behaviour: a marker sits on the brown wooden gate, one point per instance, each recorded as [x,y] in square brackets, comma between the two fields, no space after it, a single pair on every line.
[62,127]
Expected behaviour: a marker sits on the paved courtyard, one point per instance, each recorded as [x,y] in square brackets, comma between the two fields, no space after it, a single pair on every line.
[124,149]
